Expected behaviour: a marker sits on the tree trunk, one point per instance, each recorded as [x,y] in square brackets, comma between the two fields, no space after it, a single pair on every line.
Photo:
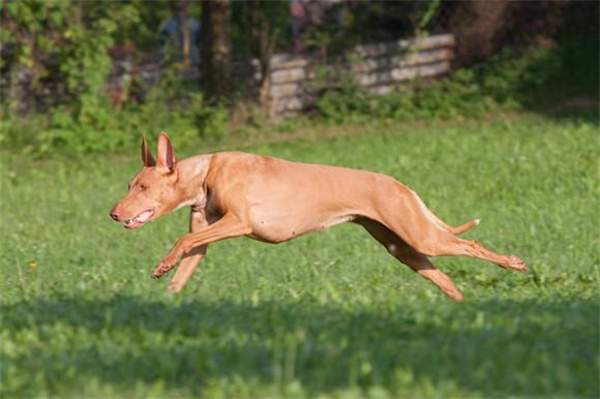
[475,24]
[262,38]
[216,48]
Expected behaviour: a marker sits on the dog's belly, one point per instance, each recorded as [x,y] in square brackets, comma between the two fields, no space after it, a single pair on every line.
[278,228]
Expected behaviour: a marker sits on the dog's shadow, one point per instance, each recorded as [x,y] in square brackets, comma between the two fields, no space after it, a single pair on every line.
[491,348]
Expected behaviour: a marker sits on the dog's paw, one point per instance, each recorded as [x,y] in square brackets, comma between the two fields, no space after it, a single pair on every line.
[516,263]
[175,287]
[163,267]
[156,275]
[158,272]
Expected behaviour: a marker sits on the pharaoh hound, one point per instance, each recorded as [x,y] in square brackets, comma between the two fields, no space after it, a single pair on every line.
[234,194]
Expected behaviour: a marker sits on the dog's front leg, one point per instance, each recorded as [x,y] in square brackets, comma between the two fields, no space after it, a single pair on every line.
[190,260]
[227,227]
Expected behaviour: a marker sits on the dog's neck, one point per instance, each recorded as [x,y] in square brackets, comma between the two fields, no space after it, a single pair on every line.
[192,177]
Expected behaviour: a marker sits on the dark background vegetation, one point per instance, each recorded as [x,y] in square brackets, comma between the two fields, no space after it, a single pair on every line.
[57,56]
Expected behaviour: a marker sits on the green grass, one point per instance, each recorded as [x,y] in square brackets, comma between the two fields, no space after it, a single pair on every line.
[326,315]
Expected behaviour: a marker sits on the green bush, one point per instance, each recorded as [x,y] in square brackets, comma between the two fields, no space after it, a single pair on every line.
[509,81]
[63,45]
[170,106]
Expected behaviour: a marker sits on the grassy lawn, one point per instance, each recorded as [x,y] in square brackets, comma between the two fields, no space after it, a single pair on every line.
[326,315]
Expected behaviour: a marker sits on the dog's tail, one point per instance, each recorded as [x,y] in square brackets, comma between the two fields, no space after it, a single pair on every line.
[464,227]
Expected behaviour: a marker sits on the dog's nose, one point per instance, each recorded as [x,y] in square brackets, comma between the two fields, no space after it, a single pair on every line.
[114,215]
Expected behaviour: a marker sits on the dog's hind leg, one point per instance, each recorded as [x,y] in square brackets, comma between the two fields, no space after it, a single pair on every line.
[407,255]
[474,249]
[405,214]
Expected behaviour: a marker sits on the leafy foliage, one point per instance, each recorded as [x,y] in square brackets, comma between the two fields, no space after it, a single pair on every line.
[62,43]
[65,44]
[56,53]
[169,106]
[508,81]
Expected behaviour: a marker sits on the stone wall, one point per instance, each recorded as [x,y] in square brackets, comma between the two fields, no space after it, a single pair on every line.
[295,81]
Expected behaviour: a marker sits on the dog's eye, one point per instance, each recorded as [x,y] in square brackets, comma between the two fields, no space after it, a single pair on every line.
[142,187]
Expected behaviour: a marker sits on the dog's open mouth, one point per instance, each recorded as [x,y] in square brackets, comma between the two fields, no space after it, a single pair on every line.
[139,219]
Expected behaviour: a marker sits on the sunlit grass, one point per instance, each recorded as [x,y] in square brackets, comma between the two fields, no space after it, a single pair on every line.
[329,314]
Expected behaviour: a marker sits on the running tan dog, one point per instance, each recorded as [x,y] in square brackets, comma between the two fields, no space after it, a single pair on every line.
[235,194]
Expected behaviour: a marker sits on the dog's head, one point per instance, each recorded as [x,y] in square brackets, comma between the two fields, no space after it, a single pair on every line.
[153,192]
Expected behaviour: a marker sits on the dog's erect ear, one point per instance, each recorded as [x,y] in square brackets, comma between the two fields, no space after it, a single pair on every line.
[165,154]
[147,157]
